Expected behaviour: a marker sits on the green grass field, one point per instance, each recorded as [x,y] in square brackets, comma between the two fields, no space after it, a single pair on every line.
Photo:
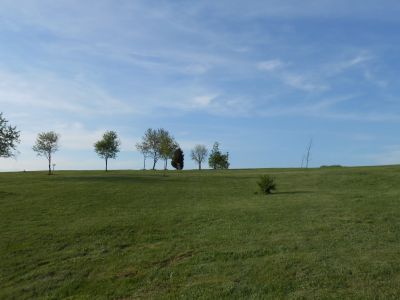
[326,233]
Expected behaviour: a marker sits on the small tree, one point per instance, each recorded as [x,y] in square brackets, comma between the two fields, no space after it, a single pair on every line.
[9,138]
[167,145]
[217,160]
[143,148]
[158,143]
[199,154]
[177,159]
[46,145]
[108,146]
[151,140]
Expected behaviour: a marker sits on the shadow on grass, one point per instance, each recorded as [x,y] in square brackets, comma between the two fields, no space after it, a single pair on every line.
[6,194]
[292,193]
[114,178]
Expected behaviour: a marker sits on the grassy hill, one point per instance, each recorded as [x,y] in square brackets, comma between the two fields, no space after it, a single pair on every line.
[326,233]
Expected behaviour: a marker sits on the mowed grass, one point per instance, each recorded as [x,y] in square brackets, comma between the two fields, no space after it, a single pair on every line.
[326,233]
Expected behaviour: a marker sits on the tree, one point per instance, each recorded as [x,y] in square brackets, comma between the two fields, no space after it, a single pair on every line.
[177,159]
[199,154]
[217,160]
[46,144]
[151,141]
[108,147]
[9,138]
[306,156]
[158,143]
[143,148]
[167,145]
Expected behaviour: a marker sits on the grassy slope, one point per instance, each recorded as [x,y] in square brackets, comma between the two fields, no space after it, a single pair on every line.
[328,233]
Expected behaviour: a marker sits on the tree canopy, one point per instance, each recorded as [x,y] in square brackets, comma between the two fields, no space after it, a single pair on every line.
[9,138]
[46,144]
[108,146]
[167,144]
[151,142]
[218,160]
[143,148]
[199,154]
[156,144]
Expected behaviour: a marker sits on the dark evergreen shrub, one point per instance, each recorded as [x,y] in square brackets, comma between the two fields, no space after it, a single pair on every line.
[177,159]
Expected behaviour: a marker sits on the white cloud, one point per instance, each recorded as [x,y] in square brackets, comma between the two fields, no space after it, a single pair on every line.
[327,108]
[270,65]
[203,101]
[217,104]
[301,82]
[28,92]
[360,59]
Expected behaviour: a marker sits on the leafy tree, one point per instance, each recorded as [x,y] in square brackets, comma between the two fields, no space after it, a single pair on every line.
[158,143]
[199,154]
[217,160]
[151,141]
[167,145]
[46,144]
[9,138]
[108,146]
[143,148]
[177,159]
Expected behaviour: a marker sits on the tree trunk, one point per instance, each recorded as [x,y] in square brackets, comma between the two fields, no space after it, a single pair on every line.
[308,153]
[106,164]
[154,164]
[199,165]
[144,162]
[49,164]
[165,168]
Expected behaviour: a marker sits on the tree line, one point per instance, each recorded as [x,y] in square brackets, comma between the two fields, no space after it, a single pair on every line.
[159,144]
[156,144]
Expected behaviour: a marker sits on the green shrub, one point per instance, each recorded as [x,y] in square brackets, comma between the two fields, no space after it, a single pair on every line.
[266,184]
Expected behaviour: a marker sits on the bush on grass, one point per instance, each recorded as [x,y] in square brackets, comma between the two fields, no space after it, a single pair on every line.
[266,184]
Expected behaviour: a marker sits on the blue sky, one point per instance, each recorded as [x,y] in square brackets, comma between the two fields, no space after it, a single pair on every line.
[260,77]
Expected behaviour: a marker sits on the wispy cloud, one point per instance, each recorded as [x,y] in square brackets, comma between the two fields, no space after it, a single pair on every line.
[46,91]
[279,69]
[301,82]
[359,59]
[214,104]
[374,80]
[203,101]
[270,65]
[327,108]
